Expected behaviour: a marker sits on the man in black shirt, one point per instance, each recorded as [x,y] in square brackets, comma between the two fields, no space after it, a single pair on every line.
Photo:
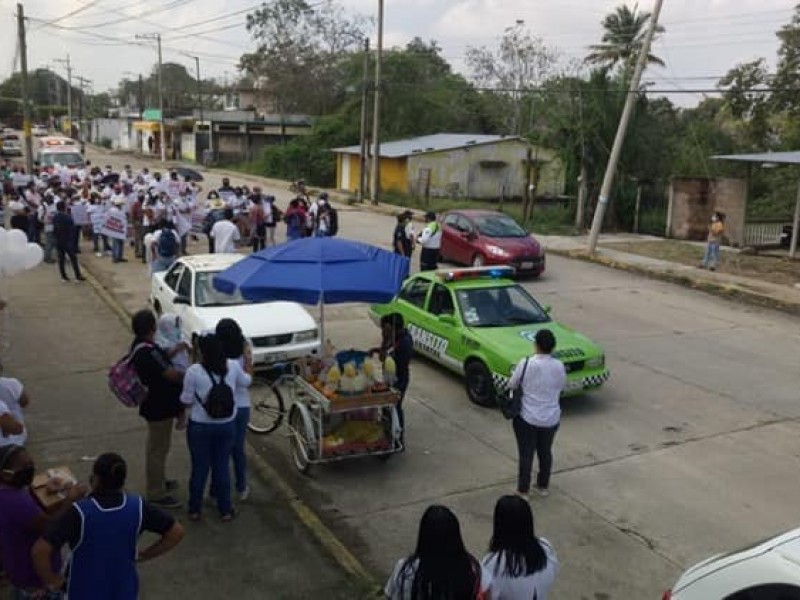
[160,408]
[64,233]
[102,533]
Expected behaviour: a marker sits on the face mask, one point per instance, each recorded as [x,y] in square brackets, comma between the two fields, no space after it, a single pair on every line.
[21,478]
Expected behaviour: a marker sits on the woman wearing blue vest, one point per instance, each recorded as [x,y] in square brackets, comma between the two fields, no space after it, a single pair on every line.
[102,532]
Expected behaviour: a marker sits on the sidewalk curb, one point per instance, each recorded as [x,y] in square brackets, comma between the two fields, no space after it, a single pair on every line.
[724,290]
[323,535]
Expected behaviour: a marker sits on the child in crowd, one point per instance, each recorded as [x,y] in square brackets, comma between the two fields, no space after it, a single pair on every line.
[170,338]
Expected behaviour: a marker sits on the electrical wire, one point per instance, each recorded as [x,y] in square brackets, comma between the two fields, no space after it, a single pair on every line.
[72,13]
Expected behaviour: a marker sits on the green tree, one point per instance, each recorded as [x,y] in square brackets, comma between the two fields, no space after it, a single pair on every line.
[299,52]
[624,31]
[747,97]
[521,63]
[787,75]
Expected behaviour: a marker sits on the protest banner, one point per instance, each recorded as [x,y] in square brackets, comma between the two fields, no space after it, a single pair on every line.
[115,227]
[198,219]
[79,214]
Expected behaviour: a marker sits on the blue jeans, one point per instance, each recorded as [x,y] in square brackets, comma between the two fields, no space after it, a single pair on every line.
[711,256]
[96,239]
[117,249]
[49,246]
[162,263]
[210,447]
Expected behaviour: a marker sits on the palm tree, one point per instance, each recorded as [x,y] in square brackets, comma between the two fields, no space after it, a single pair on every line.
[623,37]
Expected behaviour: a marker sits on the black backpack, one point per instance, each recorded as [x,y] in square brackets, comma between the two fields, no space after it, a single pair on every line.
[167,243]
[333,221]
[219,403]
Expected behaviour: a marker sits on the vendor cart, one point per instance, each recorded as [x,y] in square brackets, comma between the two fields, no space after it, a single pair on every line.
[326,429]
[326,423]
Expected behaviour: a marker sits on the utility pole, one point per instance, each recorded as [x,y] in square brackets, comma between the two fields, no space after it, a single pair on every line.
[82,83]
[362,157]
[157,37]
[141,96]
[26,107]
[376,118]
[69,90]
[199,87]
[616,150]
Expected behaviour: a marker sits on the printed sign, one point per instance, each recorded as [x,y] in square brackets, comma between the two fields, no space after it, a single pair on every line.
[428,342]
[115,227]
[198,218]
[79,214]
[98,218]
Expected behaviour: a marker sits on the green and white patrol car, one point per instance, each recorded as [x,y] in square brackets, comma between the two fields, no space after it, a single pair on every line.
[479,322]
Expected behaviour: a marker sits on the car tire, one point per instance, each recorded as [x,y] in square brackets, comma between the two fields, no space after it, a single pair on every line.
[157,308]
[478,260]
[479,383]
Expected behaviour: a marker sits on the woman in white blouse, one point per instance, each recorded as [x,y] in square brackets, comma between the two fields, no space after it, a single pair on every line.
[211,439]
[235,347]
[521,565]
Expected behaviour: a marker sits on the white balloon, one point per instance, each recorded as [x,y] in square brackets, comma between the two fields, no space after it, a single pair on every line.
[33,256]
[16,237]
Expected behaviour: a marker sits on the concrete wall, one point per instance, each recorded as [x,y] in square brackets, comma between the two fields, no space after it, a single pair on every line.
[695,200]
[486,171]
[119,131]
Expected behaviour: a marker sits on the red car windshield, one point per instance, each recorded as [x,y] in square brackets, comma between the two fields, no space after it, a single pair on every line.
[499,226]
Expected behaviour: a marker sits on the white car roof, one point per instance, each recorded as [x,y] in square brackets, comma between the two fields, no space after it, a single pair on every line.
[785,547]
[211,262]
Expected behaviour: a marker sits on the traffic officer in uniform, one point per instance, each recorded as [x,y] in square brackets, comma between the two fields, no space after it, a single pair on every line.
[431,241]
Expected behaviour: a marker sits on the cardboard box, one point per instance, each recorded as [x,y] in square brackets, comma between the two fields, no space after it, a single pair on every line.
[51,500]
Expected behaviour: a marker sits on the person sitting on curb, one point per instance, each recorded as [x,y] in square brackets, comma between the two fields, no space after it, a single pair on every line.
[102,532]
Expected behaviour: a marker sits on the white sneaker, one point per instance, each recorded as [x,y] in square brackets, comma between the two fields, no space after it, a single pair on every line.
[245,494]
[98,254]
[543,492]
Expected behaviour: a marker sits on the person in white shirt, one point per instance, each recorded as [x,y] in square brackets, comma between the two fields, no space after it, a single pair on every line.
[13,399]
[542,379]
[441,566]
[521,565]
[431,241]
[117,212]
[183,217]
[211,439]
[225,234]
[46,212]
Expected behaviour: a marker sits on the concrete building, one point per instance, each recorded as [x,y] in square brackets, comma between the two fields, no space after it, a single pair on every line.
[457,165]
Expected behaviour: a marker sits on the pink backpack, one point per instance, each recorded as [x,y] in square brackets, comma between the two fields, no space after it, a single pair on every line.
[124,382]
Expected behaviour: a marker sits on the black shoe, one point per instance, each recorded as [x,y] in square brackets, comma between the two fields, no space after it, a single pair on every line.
[171,485]
[167,502]
[123,260]
[81,278]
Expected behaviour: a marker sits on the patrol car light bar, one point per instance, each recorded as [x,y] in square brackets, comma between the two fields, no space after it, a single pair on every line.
[476,273]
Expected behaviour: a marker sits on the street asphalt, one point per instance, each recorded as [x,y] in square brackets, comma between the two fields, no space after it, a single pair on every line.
[689,450]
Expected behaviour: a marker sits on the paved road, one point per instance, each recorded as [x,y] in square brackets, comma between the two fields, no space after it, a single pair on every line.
[691,448]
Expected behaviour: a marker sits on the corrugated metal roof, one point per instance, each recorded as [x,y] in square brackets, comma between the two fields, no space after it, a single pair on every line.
[778,158]
[430,143]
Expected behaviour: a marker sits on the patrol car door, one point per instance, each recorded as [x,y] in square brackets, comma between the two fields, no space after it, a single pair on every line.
[441,327]
[413,299]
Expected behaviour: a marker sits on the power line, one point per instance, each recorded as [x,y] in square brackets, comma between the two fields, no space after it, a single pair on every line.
[72,13]
[169,6]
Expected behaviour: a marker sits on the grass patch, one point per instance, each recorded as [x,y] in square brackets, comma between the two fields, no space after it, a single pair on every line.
[774,269]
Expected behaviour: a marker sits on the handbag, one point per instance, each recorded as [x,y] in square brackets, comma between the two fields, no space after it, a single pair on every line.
[511,403]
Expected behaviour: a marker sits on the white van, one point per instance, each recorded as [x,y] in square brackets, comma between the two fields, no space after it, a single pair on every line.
[59,151]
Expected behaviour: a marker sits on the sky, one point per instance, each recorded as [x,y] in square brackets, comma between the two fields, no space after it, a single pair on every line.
[703,38]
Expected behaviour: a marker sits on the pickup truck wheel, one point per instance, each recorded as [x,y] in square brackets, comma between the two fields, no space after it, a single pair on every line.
[479,383]
[157,308]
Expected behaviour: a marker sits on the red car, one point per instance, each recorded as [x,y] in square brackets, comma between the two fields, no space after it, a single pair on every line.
[486,237]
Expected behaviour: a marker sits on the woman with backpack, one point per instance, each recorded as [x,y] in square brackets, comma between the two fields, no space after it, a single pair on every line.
[440,567]
[295,218]
[235,347]
[208,393]
[521,565]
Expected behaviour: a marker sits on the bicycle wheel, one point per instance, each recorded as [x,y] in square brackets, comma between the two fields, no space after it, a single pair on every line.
[268,409]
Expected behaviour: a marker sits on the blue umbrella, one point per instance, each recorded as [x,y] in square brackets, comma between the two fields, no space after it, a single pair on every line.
[317,270]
